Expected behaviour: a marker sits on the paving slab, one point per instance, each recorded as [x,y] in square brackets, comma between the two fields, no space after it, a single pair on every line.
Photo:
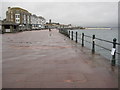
[43,59]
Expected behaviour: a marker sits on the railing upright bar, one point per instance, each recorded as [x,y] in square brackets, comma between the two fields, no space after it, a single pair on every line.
[82,39]
[76,37]
[72,35]
[113,61]
[69,34]
[93,44]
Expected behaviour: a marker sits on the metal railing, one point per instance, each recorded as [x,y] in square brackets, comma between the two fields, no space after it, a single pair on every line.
[114,43]
[64,31]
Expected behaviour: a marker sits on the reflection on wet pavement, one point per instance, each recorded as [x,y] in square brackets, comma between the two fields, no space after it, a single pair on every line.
[43,59]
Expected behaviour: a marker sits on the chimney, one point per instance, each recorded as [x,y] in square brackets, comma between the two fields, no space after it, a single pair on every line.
[8,8]
[49,20]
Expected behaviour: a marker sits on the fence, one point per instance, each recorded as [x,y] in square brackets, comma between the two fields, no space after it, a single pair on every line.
[93,38]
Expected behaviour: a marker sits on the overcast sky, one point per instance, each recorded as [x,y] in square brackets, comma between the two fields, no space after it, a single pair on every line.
[76,13]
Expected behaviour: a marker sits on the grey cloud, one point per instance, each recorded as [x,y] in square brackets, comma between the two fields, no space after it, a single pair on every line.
[77,13]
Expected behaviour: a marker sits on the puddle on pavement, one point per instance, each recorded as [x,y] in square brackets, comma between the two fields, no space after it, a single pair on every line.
[73,81]
[39,47]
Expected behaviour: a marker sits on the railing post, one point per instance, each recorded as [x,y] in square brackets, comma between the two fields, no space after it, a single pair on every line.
[76,37]
[72,35]
[113,62]
[93,44]
[69,34]
[82,39]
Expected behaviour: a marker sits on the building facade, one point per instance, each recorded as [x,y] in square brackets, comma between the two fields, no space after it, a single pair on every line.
[37,22]
[18,19]
[19,16]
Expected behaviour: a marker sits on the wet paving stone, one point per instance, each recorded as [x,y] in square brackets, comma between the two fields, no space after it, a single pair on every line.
[36,59]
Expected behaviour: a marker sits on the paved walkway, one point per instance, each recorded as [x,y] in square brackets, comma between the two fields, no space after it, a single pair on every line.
[43,59]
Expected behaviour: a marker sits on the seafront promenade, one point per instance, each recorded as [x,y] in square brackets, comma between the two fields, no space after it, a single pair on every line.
[43,59]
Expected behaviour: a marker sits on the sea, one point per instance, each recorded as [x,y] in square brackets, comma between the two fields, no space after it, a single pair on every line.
[105,34]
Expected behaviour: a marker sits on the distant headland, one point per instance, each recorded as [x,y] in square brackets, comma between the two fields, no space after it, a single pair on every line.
[99,28]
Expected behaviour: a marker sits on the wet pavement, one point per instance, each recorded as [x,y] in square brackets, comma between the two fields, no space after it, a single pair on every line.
[43,59]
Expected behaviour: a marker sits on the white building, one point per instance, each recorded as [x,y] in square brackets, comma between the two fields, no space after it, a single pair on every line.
[37,22]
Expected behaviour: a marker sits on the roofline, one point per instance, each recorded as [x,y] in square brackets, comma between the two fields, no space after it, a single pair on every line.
[19,8]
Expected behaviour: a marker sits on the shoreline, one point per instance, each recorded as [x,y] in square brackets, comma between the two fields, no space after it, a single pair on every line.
[99,28]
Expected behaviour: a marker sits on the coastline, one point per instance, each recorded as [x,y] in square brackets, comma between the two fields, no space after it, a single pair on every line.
[99,28]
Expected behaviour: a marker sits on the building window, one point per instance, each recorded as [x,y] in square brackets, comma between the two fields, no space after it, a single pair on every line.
[17,18]
[17,15]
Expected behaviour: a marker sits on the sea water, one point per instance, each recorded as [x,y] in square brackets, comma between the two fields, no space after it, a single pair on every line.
[106,34]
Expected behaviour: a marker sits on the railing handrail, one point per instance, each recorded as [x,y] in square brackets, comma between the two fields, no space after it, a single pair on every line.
[103,40]
[87,36]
